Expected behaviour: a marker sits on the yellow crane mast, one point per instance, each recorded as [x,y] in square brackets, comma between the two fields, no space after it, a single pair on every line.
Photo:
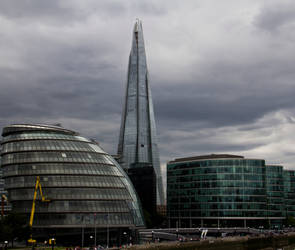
[3,198]
[43,199]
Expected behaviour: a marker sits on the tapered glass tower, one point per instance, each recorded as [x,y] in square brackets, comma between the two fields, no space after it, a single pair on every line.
[138,139]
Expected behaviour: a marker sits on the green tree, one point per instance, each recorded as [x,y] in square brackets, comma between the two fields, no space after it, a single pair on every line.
[14,227]
[147,218]
[290,221]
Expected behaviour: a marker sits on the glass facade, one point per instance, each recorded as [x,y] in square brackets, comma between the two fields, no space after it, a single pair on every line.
[86,186]
[289,190]
[6,205]
[223,190]
[138,139]
[275,191]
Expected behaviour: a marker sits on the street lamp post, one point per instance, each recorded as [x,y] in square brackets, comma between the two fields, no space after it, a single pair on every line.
[82,236]
[6,244]
[52,243]
[108,232]
[91,237]
[95,229]
[125,237]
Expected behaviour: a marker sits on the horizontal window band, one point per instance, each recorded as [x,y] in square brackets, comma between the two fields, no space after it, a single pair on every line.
[58,174]
[100,187]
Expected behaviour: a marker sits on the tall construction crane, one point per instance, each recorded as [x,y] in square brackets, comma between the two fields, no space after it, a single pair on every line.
[43,199]
[3,198]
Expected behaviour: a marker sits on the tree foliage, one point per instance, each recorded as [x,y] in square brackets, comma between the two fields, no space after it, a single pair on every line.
[14,227]
[153,220]
[290,221]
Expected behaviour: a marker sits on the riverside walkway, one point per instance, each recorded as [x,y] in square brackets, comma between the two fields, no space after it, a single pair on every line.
[185,233]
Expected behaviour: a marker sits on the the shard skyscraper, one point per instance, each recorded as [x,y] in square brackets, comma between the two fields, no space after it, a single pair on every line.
[138,138]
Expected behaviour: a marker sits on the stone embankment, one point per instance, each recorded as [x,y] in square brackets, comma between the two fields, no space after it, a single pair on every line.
[263,241]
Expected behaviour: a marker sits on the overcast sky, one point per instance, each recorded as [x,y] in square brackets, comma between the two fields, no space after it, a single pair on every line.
[221,72]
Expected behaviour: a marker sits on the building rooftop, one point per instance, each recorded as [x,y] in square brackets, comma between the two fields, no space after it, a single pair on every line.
[208,157]
[16,128]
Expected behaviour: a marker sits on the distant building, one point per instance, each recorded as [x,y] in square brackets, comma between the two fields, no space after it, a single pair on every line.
[228,191]
[138,137]
[87,187]
[275,193]
[289,191]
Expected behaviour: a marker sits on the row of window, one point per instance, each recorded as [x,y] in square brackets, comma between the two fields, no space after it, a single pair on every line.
[38,135]
[274,207]
[98,219]
[217,213]
[275,182]
[289,196]
[218,177]
[214,163]
[83,157]
[276,200]
[215,170]
[276,214]
[73,193]
[289,189]
[274,175]
[237,205]
[273,190]
[64,181]
[217,199]
[289,173]
[220,206]
[216,191]
[62,168]
[48,145]
[290,212]
[221,184]
[289,202]
[72,206]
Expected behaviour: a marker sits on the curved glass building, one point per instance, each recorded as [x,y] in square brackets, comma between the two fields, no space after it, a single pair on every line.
[222,191]
[86,186]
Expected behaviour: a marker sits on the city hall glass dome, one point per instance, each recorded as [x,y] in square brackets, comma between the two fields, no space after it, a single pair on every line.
[86,186]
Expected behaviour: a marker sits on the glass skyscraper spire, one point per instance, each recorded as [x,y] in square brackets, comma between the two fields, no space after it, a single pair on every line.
[138,139]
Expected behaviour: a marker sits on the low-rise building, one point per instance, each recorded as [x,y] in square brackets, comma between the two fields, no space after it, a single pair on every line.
[222,190]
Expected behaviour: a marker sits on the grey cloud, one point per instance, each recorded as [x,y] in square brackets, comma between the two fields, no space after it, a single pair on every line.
[200,145]
[34,9]
[275,14]
[66,62]
[56,12]
[218,106]
[59,12]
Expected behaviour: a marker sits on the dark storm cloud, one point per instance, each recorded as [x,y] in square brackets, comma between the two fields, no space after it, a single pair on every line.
[185,107]
[74,97]
[226,101]
[219,81]
[56,76]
